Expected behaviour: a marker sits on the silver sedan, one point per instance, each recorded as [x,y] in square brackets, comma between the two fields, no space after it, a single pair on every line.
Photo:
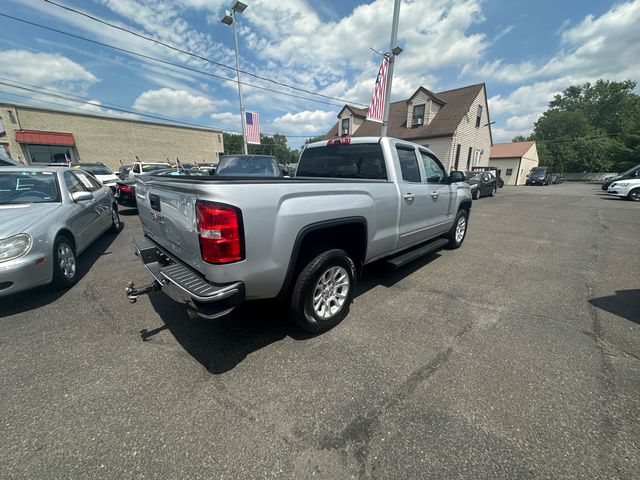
[48,216]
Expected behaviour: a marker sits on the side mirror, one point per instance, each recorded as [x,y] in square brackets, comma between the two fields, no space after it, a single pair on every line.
[81,196]
[456,176]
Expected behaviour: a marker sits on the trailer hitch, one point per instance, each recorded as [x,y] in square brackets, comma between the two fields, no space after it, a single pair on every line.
[134,292]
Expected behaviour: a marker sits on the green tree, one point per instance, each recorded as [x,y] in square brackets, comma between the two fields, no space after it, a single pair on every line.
[275,145]
[519,138]
[314,139]
[591,127]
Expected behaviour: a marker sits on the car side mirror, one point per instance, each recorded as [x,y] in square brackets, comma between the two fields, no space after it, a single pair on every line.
[456,176]
[81,196]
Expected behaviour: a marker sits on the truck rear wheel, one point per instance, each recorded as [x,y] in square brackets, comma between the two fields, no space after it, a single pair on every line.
[324,291]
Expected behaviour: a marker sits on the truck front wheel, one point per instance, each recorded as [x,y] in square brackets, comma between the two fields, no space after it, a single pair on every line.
[324,291]
[458,230]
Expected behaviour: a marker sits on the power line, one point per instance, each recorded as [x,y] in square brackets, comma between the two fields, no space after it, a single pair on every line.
[186,52]
[148,57]
[78,99]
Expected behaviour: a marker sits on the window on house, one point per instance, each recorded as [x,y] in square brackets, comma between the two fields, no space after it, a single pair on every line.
[344,130]
[48,153]
[479,116]
[455,165]
[418,115]
[469,158]
[509,172]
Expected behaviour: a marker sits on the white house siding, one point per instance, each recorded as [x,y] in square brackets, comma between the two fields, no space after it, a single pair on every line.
[441,147]
[468,135]
[430,108]
[503,164]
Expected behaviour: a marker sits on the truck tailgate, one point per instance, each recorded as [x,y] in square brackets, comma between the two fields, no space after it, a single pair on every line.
[168,215]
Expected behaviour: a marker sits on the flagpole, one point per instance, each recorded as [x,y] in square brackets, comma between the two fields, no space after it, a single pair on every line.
[392,55]
[242,114]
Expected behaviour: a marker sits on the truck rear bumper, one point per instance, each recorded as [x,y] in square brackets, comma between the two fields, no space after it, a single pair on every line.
[202,298]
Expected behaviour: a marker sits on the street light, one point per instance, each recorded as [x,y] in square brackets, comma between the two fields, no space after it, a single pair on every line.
[229,18]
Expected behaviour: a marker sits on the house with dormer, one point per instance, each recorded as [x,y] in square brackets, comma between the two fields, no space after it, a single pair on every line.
[453,124]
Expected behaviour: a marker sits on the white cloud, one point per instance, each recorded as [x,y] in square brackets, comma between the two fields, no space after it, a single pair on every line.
[45,69]
[308,121]
[227,121]
[173,103]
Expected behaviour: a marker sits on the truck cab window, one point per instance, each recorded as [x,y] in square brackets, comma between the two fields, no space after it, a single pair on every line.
[408,164]
[434,172]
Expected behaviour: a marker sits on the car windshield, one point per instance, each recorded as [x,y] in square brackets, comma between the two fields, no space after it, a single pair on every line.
[631,170]
[248,166]
[28,187]
[96,169]
[152,167]
[538,173]
[473,176]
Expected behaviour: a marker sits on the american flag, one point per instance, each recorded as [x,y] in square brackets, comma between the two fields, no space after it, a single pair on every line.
[376,109]
[179,165]
[252,124]
[67,159]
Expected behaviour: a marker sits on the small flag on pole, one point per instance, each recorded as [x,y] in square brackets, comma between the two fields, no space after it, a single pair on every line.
[137,159]
[252,123]
[195,165]
[376,109]
[67,159]
[179,165]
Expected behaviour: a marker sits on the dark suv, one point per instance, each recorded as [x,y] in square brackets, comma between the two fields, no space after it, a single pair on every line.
[539,176]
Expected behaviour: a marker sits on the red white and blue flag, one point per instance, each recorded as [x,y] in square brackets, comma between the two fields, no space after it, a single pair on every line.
[67,159]
[179,165]
[376,108]
[252,126]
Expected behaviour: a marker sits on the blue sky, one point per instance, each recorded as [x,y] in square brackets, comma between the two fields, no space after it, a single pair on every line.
[524,51]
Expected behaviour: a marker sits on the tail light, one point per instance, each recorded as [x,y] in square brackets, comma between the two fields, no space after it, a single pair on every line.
[219,231]
[123,188]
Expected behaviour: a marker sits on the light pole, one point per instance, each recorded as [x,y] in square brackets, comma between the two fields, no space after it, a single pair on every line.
[394,50]
[229,18]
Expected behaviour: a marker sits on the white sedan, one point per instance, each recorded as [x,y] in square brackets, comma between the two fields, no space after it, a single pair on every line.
[629,189]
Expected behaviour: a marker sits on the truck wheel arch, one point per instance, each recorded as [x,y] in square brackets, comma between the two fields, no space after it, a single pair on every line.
[316,237]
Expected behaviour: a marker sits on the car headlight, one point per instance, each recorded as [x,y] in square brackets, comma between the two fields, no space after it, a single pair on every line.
[14,247]
[626,184]
[475,185]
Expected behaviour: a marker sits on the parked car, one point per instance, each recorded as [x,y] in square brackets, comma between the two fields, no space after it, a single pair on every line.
[495,171]
[126,193]
[539,176]
[631,174]
[214,242]
[140,168]
[103,173]
[482,183]
[629,189]
[556,178]
[49,215]
[248,166]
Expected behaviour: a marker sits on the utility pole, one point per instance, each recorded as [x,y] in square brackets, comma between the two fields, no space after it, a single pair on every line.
[393,52]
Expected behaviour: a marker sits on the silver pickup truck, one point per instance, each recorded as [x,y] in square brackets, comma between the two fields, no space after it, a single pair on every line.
[213,243]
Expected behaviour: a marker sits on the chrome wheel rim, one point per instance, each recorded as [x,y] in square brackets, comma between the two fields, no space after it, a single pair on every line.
[330,293]
[115,217]
[67,260]
[635,195]
[461,227]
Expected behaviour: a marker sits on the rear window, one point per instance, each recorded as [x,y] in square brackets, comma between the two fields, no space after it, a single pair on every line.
[96,169]
[364,160]
[248,166]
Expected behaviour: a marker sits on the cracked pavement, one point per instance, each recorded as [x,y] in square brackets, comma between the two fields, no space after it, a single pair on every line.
[516,356]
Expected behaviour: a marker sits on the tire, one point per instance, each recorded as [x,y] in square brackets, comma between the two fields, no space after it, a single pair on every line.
[65,265]
[324,279]
[493,191]
[476,194]
[634,195]
[116,223]
[455,236]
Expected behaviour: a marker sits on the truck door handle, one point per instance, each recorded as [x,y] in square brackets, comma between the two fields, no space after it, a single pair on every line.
[434,195]
[408,196]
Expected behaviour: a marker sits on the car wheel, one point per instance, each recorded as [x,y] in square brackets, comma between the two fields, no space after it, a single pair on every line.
[476,194]
[493,191]
[324,291]
[65,267]
[634,195]
[116,224]
[458,230]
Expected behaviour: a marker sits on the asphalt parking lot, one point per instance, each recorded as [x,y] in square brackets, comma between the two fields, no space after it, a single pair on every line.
[517,356]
